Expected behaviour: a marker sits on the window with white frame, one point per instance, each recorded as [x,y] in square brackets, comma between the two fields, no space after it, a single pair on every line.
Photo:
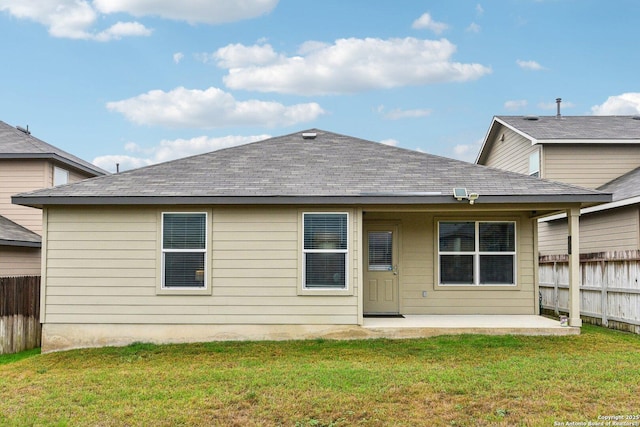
[184,250]
[534,163]
[60,176]
[477,252]
[325,250]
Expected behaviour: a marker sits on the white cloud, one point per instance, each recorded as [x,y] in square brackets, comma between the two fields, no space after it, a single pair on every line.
[398,114]
[192,11]
[347,66]
[238,55]
[76,19]
[473,28]
[467,152]
[515,104]
[479,10]
[170,150]
[211,108]
[426,22]
[529,65]
[390,141]
[123,29]
[622,105]
[71,19]
[177,57]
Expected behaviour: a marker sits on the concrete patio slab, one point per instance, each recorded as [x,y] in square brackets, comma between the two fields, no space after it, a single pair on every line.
[424,326]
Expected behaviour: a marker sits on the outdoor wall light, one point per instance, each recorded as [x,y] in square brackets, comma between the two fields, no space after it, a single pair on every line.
[462,194]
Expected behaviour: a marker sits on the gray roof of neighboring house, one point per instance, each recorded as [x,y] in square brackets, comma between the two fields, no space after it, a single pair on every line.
[624,187]
[329,168]
[543,128]
[18,144]
[12,234]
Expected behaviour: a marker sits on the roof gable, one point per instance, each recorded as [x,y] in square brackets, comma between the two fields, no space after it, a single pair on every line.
[18,144]
[329,166]
[566,130]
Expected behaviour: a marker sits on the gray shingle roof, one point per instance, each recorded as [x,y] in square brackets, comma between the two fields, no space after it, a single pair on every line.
[16,144]
[328,167]
[577,127]
[624,187]
[12,234]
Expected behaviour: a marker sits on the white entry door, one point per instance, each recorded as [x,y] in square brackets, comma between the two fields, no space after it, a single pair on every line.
[381,269]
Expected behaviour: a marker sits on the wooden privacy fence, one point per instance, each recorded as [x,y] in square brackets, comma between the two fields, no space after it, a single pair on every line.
[19,313]
[609,287]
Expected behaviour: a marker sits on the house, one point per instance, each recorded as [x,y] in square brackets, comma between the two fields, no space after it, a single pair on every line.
[598,152]
[303,235]
[27,163]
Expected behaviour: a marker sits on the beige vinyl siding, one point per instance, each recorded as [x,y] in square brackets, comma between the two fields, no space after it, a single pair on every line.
[589,165]
[611,230]
[103,268]
[17,176]
[512,154]
[418,270]
[19,261]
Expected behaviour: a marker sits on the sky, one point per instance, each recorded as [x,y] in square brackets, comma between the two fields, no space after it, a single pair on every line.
[138,82]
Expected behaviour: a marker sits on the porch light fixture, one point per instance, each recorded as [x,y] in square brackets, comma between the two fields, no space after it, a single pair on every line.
[462,194]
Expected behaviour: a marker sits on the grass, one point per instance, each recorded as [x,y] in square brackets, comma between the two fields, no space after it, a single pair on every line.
[452,380]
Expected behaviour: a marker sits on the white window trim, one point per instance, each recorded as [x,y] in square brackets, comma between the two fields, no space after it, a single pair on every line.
[184,290]
[303,289]
[476,255]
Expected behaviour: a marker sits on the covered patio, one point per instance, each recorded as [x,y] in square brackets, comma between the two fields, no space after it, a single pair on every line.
[417,326]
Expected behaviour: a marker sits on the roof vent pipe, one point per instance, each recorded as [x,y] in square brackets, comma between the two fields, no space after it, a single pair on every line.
[558,101]
[23,130]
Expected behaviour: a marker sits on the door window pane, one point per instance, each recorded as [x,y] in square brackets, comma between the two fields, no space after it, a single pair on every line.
[380,250]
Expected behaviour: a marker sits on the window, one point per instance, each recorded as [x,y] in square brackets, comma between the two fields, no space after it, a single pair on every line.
[60,176]
[184,250]
[325,251]
[380,251]
[534,164]
[476,253]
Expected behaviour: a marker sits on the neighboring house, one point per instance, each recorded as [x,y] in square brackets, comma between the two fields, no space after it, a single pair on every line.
[26,164]
[599,152]
[295,236]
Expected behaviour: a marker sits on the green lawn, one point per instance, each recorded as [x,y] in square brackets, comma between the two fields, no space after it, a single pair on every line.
[452,380]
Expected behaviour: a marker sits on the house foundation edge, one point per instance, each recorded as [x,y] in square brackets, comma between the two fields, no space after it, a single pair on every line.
[60,337]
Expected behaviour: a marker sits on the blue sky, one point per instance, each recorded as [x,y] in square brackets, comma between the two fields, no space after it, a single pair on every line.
[138,82]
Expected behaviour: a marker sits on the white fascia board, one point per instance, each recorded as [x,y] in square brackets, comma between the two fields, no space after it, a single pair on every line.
[533,140]
[599,208]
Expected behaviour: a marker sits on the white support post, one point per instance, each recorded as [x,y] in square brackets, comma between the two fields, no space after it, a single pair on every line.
[573,216]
